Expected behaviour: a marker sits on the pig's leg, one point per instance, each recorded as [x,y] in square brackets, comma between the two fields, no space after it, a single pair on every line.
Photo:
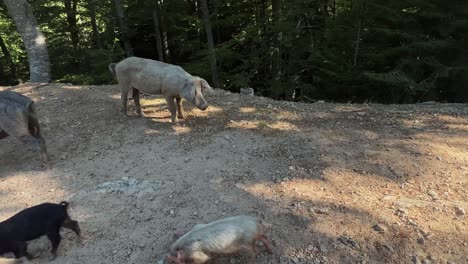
[3,134]
[38,144]
[136,99]
[180,109]
[73,225]
[124,88]
[54,238]
[172,108]
[124,97]
[20,250]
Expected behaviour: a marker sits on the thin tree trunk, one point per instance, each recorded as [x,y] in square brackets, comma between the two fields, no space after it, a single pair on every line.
[92,15]
[209,36]
[8,58]
[276,58]
[165,38]
[360,12]
[33,39]
[157,31]
[358,39]
[217,27]
[124,27]
[70,9]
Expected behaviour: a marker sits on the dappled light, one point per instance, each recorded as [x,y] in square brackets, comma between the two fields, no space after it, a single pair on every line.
[330,181]
[68,87]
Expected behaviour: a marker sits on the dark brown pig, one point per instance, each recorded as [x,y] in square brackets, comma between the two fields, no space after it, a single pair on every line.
[223,237]
[18,118]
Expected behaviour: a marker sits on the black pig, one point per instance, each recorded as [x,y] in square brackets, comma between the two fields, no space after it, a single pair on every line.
[32,223]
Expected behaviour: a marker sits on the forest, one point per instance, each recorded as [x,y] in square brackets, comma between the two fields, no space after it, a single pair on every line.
[299,50]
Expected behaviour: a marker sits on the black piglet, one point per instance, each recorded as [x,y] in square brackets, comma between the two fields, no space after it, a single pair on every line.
[32,223]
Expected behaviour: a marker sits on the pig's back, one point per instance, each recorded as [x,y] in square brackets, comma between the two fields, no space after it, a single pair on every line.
[30,223]
[224,236]
[12,101]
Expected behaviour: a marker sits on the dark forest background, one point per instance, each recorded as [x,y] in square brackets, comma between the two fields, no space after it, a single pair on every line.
[337,50]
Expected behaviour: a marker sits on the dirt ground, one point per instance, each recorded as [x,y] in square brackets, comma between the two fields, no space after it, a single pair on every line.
[335,183]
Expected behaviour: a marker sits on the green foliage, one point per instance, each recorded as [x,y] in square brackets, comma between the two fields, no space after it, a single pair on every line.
[387,51]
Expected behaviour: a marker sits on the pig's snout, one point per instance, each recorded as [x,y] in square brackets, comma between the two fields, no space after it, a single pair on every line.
[203,108]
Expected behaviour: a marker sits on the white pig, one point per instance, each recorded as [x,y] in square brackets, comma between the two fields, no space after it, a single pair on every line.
[222,237]
[155,77]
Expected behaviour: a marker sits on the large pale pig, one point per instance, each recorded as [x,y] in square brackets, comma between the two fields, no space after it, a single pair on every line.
[155,77]
[18,118]
[223,237]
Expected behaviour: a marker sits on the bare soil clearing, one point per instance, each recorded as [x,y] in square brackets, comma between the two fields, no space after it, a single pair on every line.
[335,183]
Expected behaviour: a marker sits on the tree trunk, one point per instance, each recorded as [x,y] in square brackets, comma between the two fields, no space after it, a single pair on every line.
[356,47]
[165,38]
[34,40]
[8,58]
[70,9]
[124,27]
[92,15]
[276,56]
[209,36]
[157,31]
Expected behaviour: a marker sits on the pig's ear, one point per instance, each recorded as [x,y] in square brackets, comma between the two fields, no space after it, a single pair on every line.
[205,86]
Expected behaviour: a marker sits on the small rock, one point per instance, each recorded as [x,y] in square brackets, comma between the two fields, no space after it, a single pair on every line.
[421,240]
[295,260]
[323,245]
[415,259]
[438,158]
[460,211]
[402,211]
[291,157]
[160,261]
[361,113]
[323,210]
[389,248]
[125,178]
[285,179]
[433,194]
[195,213]
[114,252]
[186,159]
[379,228]
[412,222]
[345,240]
[310,247]
[227,137]
[429,235]
[291,168]
[171,212]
